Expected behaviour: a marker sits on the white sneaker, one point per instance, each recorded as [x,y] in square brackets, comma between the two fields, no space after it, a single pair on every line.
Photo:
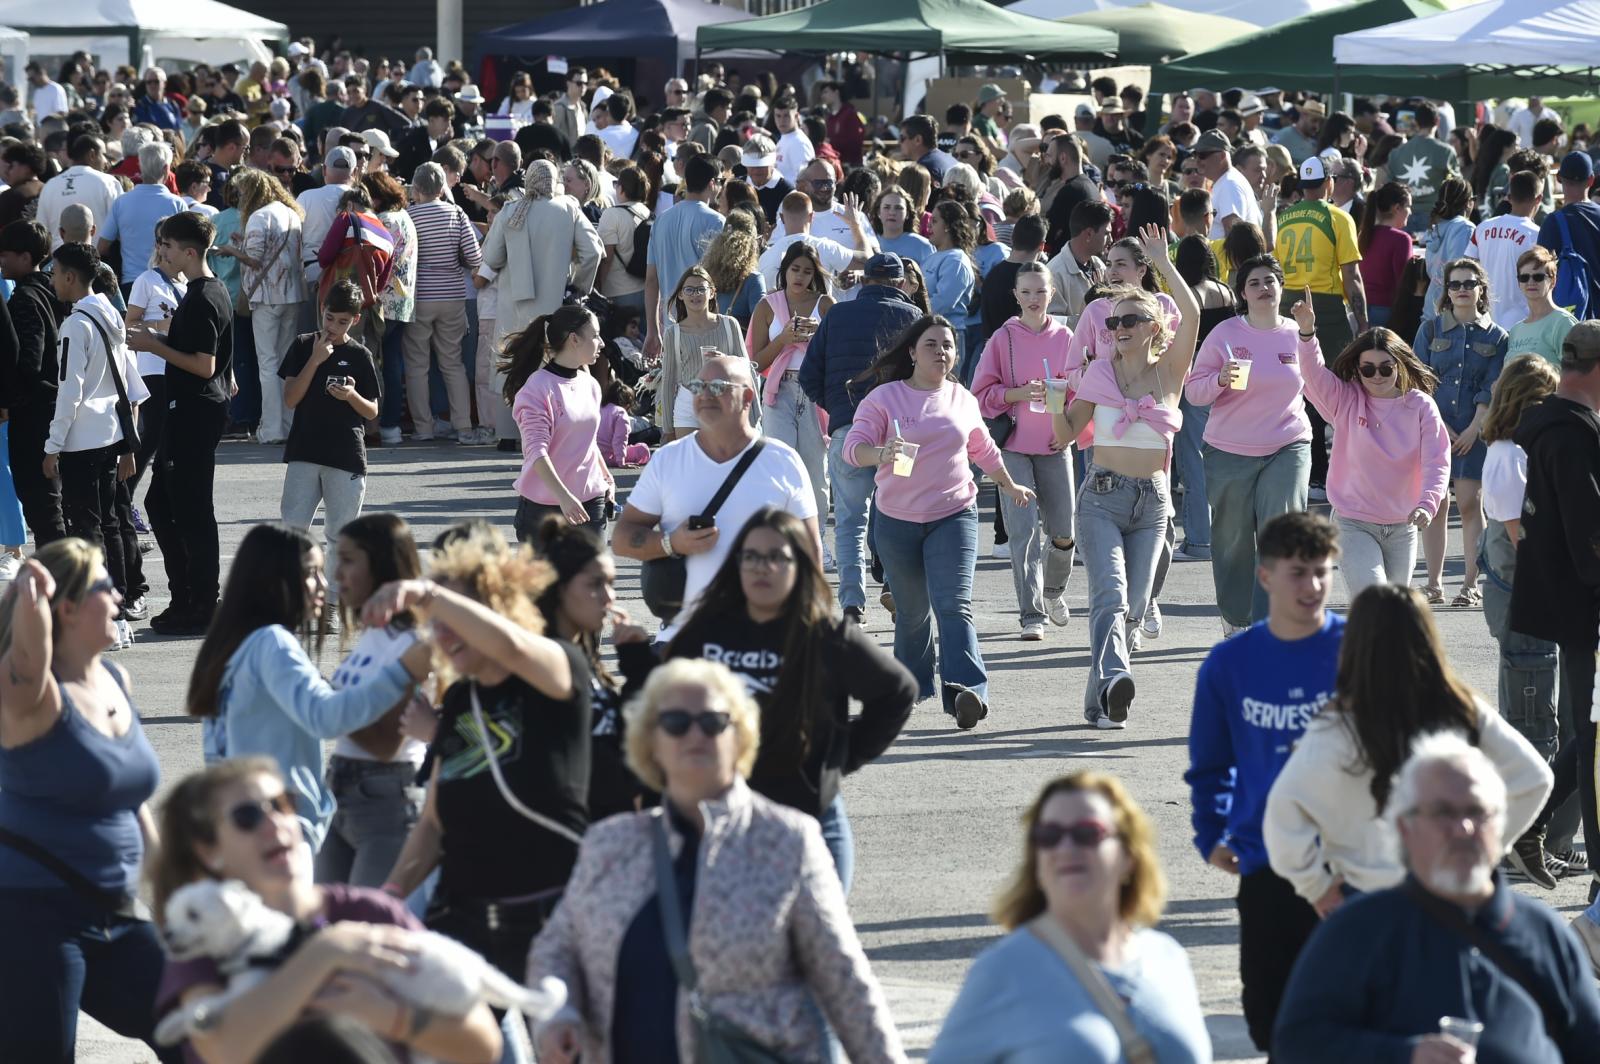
[390,437]
[830,564]
[124,635]
[1105,723]
[1032,633]
[1056,609]
[1135,640]
[1230,630]
[1002,551]
[10,565]
[443,430]
[1152,620]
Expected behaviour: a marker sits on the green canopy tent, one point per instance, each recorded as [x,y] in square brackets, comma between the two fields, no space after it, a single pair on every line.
[1151,34]
[954,29]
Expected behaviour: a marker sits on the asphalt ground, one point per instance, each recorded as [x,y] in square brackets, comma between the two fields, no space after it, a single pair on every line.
[935,818]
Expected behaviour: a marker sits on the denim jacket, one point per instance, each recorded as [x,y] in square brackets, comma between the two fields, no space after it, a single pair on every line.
[1468,359]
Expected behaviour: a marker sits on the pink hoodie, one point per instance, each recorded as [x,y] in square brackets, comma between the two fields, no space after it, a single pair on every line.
[1014,356]
[559,418]
[950,431]
[1390,456]
[1268,415]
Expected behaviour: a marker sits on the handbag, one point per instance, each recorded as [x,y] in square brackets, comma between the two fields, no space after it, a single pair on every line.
[130,433]
[1001,426]
[1135,1047]
[662,580]
[717,1041]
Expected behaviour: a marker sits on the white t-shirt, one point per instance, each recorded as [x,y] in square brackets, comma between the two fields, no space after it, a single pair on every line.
[77,184]
[1505,480]
[376,648]
[158,297]
[794,151]
[680,481]
[1232,194]
[48,99]
[835,257]
[1497,243]
[321,206]
[833,225]
[621,137]
[1523,121]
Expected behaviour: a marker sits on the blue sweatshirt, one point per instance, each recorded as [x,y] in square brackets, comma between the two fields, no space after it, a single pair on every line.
[274,702]
[1252,700]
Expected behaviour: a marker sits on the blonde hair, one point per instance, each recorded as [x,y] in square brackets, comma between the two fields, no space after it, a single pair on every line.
[1525,380]
[71,563]
[640,714]
[732,255]
[490,572]
[1142,895]
[1020,202]
[256,189]
[1150,305]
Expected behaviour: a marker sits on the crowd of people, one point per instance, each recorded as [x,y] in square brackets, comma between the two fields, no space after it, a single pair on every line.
[810,335]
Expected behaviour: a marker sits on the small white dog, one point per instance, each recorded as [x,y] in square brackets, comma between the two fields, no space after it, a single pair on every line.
[229,923]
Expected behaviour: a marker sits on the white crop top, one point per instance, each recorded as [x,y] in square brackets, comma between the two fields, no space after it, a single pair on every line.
[1139,435]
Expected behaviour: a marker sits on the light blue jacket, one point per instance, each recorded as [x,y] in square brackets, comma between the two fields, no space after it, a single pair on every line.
[950,277]
[274,702]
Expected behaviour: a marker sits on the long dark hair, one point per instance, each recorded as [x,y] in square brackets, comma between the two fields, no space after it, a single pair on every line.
[1409,370]
[894,362]
[1150,206]
[1491,146]
[1386,199]
[1194,261]
[1455,200]
[266,586]
[529,349]
[391,552]
[1395,683]
[569,549]
[1132,246]
[799,698]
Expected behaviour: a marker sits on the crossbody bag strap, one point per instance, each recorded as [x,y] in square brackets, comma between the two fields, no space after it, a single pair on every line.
[1011,360]
[1135,1047]
[499,778]
[733,479]
[1453,919]
[671,908]
[130,431]
[74,880]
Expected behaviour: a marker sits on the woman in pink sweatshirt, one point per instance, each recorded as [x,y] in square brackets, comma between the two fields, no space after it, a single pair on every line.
[1258,439]
[555,402]
[1021,355]
[923,431]
[1391,454]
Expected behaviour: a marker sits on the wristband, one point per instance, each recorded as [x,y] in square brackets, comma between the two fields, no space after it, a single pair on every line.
[1308,336]
[666,545]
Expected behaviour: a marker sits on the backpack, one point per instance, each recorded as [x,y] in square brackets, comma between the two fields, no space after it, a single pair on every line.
[638,260]
[1572,274]
[365,256]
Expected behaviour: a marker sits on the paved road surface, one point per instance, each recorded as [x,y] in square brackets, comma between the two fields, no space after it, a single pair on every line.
[936,817]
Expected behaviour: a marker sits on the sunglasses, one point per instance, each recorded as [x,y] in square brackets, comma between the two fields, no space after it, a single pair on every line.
[1370,370]
[1085,834]
[1127,321]
[247,816]
[677,722]
[715,389]
[1459,286]
[284,171]
[102,586]
[1189,171]
[1531,278]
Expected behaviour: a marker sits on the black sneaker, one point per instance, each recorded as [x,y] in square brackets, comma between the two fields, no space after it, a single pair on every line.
[964,705]
[508,446]
[176,619]
[853,615]
[1528,857]
[1575,860]
[1118,697]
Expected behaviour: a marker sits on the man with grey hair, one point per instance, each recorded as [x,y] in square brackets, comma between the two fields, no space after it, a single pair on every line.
[154,107]
[135,214]
[1450,958]
[321,205]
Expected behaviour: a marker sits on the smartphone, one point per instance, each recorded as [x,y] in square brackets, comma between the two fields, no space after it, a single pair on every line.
[699,521]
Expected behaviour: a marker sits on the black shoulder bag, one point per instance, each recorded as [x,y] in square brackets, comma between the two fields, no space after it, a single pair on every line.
[130,434]
[662,580]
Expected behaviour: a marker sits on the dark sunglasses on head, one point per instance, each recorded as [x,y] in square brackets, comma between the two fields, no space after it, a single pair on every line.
[1531,278]
[1458,286]
[1377,369]
[677,722]
[1085,834]
[247,816]
[1127,321]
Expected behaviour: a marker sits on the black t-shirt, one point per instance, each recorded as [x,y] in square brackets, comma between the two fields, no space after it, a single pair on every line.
[613,788]
[1000,296]
[202,325]
[542,746]
[536,135]
[327,431]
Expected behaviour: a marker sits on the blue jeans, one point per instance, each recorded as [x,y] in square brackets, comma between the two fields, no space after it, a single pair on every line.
[1191,470]
[379,802]
[971,342]
[1121,525]
[793,420]
[852,503]
[245,408]
[930,565]
[840,840]
[62,955]
[394,374]
[1246,492]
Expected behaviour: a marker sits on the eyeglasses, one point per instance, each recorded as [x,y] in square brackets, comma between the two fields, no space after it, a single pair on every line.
[695,290]
[715,389]
[677,722]
[754,559]
[1459,286]
[1085,834]
[1449,817]
[966,153]
[363,155]
[1127,321]
[1531,278]
[247,816]
[822,182]
[1377,369]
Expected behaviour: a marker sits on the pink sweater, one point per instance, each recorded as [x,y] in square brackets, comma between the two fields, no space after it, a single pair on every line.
[948,428]
[1014,356]
[1390,456]
[559,418]
[614,432]
[1268,415]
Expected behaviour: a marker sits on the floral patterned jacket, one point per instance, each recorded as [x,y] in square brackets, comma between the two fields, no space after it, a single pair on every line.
[768,932]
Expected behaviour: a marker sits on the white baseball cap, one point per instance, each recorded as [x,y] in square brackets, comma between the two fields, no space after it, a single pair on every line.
[1312,171]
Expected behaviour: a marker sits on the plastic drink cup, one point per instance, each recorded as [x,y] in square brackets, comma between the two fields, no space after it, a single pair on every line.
[1467,1032]
[1055,395]
[906,460]
[1241,374]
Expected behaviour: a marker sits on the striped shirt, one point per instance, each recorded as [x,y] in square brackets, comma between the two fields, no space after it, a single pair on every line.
[447,250]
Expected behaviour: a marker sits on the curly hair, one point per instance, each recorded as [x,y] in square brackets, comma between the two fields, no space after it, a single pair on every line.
[257,188]
[485,568]
[732,255]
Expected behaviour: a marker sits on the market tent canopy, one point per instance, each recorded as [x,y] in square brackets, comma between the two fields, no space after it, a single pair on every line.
[1494,35]
[1298,55]
[122,31]
[1153,33]
[1255,12]
[916,27]
[644,29]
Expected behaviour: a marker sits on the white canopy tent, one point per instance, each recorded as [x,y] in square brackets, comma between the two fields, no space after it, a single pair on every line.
[13,54]
[1495,35]
[1254,12]
[139,31]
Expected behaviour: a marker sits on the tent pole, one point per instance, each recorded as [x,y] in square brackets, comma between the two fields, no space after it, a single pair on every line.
[1335,84]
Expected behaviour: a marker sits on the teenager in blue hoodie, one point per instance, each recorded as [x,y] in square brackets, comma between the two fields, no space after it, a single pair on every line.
[1253,698]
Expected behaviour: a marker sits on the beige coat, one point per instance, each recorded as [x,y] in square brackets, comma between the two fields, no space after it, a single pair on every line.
[555,247]
[768,932]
